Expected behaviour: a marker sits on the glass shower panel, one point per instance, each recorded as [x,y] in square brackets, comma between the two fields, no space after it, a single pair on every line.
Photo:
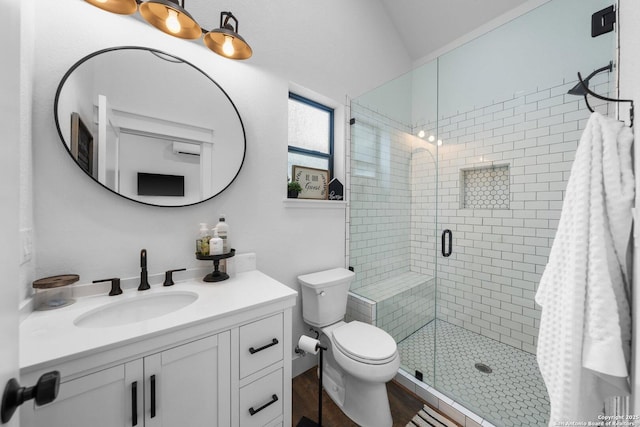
[509,133]
[395,284]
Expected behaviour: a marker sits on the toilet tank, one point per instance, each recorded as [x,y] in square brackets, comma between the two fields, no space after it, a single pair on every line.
[324,296]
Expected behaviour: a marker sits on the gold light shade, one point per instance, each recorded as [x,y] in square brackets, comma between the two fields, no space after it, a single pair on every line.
[123,7]
[163,13]
[226,41]
[216,39]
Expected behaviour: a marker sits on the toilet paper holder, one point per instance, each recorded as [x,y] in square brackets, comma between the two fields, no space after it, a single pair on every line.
[300,351]
[306,422]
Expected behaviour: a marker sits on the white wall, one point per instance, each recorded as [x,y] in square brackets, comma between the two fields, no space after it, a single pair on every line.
[10,115]
[83,228]
[25,180]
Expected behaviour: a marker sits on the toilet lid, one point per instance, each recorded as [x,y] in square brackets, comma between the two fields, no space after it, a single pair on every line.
[365,342]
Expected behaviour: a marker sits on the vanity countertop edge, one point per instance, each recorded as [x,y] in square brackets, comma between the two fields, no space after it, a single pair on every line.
[50,338]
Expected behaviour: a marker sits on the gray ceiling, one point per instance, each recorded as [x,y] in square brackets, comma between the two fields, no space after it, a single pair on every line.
[428,25]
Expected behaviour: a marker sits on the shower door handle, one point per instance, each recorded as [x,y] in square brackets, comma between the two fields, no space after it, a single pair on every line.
[447,251]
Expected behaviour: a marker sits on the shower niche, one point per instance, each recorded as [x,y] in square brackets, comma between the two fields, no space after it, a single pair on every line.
[485,187]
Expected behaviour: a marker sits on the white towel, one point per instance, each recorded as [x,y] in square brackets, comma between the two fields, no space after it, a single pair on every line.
[585,327]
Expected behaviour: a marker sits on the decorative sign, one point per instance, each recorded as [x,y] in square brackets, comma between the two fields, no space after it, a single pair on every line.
[336,190]
[314,182]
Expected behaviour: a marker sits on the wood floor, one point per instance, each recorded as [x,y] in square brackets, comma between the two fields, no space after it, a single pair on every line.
[404,404]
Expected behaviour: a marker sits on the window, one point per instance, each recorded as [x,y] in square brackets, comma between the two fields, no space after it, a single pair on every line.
[310,134]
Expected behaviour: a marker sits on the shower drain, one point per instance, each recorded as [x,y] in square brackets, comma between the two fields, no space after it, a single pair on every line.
[485,369]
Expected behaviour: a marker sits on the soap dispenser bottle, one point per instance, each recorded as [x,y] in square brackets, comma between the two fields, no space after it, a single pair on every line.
[215,244]
[202,242]
[223,232]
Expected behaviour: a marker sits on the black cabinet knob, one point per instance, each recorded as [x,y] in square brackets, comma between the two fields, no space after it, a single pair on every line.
[45,391]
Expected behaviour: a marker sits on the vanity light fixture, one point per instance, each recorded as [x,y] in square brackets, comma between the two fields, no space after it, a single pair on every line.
[170,17]
[122,7]
[226,41]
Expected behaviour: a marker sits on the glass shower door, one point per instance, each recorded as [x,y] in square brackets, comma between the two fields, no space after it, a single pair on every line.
[457,175]
[508,132]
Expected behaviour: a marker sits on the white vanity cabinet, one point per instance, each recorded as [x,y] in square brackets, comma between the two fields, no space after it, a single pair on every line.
[188,385]
[224,360]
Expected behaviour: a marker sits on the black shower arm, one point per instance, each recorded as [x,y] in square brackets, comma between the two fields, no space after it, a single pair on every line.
[608,68]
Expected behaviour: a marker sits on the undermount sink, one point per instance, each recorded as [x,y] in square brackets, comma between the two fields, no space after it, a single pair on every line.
[136,309]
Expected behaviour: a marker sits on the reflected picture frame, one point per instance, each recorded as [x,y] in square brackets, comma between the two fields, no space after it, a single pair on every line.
[81,143]
[314,182]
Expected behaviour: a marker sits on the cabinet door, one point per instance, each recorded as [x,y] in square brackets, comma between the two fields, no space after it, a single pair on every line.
[95,400]
[189,386]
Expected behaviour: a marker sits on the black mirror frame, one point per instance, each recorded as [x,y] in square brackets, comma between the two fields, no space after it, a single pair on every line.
[154,51]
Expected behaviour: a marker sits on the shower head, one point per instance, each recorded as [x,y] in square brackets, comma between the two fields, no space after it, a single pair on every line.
[580,88]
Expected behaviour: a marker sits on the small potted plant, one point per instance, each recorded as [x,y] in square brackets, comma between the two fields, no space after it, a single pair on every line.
[293,188]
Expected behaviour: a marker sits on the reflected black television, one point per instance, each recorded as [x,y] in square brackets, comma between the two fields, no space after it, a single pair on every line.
[154,184]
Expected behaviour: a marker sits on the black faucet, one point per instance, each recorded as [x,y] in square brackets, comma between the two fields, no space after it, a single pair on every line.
[144,283]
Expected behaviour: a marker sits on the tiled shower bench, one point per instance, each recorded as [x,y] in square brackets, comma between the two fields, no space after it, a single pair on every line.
[400,305]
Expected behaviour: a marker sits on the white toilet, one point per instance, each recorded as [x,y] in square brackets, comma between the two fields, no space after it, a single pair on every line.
[360,358]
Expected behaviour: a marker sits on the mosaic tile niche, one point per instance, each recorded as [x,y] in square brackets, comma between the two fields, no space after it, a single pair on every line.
[485,188]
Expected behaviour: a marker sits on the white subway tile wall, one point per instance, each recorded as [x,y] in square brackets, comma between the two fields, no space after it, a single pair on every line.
[380,228]
[488,283]
[380,197]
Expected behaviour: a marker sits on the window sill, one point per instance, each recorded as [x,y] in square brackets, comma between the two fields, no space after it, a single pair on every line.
[314,204]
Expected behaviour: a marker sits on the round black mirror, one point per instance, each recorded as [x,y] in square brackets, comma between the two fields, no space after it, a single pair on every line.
[149,126]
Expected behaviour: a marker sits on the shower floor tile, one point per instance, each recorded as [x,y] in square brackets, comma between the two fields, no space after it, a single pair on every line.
[513,394]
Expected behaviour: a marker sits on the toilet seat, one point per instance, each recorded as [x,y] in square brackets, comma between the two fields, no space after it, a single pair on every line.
[365,343]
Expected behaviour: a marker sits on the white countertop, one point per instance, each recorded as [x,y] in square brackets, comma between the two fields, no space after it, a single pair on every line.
[51,336]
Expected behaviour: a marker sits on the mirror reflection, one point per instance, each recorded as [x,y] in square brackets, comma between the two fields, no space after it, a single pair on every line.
[149,126]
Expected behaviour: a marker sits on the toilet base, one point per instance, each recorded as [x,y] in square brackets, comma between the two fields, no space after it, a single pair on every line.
[366,403]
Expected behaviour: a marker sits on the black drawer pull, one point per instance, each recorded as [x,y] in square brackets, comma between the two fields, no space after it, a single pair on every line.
[153,396]
[274,399]
[264,347]
[134,403]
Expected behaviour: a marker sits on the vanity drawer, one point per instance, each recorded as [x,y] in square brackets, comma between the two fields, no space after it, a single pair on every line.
[261,401]
[260,344]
